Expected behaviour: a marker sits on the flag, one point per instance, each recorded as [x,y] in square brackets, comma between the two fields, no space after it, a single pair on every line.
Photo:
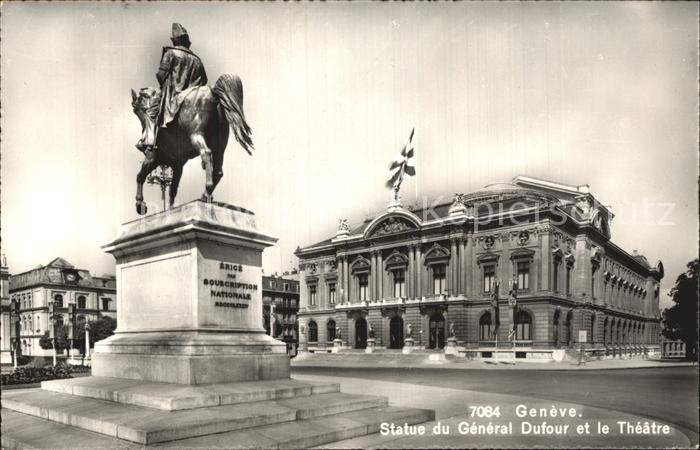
[513,303]
[403,164]
[513,294]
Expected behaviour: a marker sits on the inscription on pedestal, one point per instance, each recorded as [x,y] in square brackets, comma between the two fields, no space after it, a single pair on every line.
[227,284]
[230,293]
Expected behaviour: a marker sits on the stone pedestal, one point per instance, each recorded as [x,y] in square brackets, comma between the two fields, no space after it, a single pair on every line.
[337,346]
[371,344]
[407,345]
[451,347]
[189,300]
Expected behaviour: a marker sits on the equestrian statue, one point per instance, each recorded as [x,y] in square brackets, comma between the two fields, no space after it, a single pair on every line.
[184,118]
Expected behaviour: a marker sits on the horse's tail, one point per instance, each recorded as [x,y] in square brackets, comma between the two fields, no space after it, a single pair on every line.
[229,91]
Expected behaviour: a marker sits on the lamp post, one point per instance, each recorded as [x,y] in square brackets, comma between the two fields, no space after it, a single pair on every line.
[87,342]
[162,176]
[71,327]
[14,331]
[52,330]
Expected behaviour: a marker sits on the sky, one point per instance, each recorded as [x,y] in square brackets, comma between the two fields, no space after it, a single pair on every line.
[604,94]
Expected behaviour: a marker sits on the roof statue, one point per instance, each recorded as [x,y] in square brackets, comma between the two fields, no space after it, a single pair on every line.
[404,163]
[184,118]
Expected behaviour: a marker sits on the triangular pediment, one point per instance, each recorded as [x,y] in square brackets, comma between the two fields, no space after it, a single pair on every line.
[61,263]
[360,263]
[437,251]
[396,259]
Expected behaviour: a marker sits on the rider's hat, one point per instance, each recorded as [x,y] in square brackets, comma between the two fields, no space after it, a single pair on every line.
[178,31]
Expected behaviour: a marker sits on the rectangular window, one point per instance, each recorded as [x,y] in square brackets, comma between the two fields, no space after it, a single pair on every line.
[312,295]
[331,293]
[522,332]
[105,304]
[363,282]
[489,277]
[555,277]
[399,283]
[286,286]
[439,274]
[523,275]
[568,280]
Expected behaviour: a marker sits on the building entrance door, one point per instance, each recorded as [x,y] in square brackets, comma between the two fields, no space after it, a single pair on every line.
[437,331]
[360,333]
[396,332]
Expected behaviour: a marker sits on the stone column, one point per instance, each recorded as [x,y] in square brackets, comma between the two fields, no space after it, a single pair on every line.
[544,281]
[469,267]
[372,275]
[386,282]
[411,273]
[339,286]
[380,276]
[453,266]
[419,272]
[347,278]
[462,267]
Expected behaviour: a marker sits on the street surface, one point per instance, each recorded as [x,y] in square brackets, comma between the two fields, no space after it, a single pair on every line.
[669,395]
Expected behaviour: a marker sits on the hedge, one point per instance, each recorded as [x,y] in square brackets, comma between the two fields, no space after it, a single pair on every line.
[29,375]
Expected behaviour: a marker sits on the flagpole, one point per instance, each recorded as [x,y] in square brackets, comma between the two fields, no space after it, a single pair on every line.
[416,166]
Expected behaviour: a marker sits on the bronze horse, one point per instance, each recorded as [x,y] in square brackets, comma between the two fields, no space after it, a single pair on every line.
[201,128]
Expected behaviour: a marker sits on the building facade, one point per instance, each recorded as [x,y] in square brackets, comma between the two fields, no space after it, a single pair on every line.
[61,283]
[432,273]
[280,307]
[5,341]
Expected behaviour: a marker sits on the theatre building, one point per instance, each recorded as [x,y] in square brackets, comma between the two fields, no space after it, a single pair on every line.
[61,283]
[434,271]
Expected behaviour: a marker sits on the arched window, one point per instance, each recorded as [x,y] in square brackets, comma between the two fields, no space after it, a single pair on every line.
[555,327]
[485,327]
[58,301]
[313,332]
[523,326]
[82,303]
[330,329]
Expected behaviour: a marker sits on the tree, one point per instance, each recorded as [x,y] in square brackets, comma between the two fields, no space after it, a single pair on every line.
[681,320]
[102,328]
[99,329]
[62,342]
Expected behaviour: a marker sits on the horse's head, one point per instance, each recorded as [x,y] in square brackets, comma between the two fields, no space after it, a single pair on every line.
[145,105]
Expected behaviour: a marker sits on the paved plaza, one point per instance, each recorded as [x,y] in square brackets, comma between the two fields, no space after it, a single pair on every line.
[665,396]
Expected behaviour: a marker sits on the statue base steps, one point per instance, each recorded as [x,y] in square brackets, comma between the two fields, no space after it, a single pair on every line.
[123,413]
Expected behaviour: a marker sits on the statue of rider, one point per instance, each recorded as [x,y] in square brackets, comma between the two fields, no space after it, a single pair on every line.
[179,70]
